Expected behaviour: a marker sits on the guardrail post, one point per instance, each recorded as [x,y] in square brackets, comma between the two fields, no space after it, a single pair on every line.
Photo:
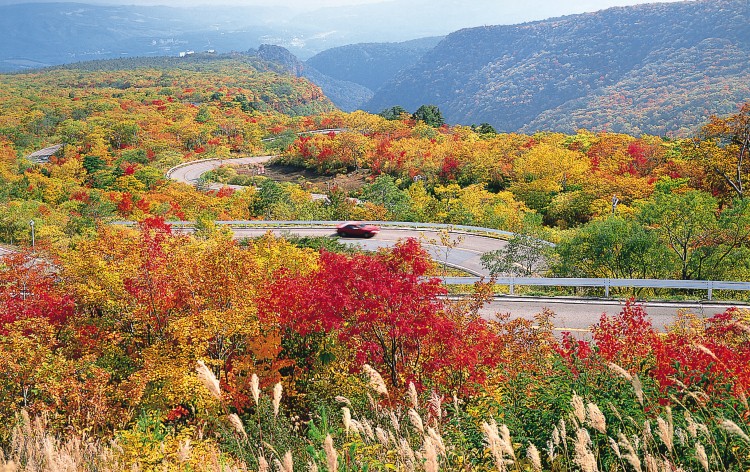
[512,287]
[606,288]
[710,290]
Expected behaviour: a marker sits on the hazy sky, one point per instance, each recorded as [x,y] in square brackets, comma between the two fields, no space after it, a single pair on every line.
[554,6]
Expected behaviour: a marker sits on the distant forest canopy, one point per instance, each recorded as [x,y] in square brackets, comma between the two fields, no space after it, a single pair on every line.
[660,69]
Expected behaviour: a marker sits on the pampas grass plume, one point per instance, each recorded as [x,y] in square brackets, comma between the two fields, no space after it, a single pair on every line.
[237,425]
[536,461]
[376,381]
[630,455]
[583,455]
[430,456]
[700,454]
[255,388]
[347,414]
[413,398]
[636,382]
[579,410]
[332,457]
[596,418]
[288,462]
[208,379]
[620,371]
[277,389]
[731,427]
[665,433]
[416,420]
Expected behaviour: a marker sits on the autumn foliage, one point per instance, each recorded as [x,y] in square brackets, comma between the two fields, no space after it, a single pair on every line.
[388,312]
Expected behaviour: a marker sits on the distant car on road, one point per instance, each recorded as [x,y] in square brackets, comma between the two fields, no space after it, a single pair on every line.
[358,229]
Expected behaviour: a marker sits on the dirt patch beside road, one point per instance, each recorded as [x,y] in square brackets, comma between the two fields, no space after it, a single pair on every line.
[308,179]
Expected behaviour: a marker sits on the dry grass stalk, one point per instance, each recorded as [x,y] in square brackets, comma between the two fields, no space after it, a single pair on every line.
[262,464]
[700,454]
[507,443]
[413,397]
[407,453]
[255,388]
[416,420]
[652,464]
[615,447]
[312,467]
[288,462]
[277,389]
[347,416]
[551,450]
[367,429]
[499,443]
[636,382]
[563,432]
[492,436]
[208,379]
[707,351]
[430,456]
[731,427]
[620,371]
[184,451]
[344,400]
[596,418]
[8,467]
[533,454]
[436,405]
[237,425]
[394,421]
[583,456]
[437,441]
[376,381]
[579,410]
[382,436]
[648,437]
[665,433]
[692,427]
[630,455]
[332,457]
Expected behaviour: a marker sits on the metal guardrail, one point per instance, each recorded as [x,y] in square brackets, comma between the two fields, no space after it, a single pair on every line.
[512,282]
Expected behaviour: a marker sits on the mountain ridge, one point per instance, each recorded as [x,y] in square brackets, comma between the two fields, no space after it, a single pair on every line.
[509,75]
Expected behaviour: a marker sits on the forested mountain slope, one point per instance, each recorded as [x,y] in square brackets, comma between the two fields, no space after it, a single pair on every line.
[658,68]
[371,64]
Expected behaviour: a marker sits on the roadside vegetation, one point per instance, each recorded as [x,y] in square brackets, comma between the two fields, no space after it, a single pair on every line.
[139,348]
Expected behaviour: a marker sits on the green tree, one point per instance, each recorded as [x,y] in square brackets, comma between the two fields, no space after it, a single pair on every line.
[484,128]
[384,191]
[615,247]
[430,114]
[686,223]
[393,113]
[92,164]
[523,256]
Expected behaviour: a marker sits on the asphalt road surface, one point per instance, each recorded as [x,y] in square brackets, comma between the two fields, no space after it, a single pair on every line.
[191,172]
[579,314]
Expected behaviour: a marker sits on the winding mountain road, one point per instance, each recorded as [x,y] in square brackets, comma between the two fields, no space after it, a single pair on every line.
[191,172]
[572,314]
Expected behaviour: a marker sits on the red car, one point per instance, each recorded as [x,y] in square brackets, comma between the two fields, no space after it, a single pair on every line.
[357,228]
